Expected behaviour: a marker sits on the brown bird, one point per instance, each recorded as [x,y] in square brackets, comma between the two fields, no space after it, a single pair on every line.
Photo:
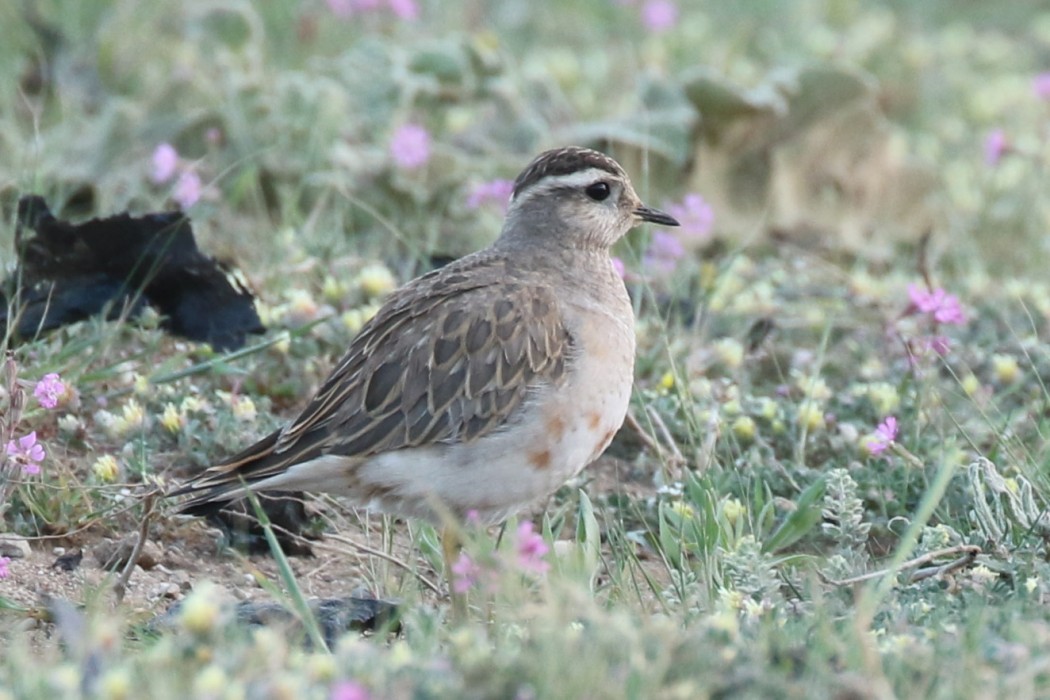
[480,387]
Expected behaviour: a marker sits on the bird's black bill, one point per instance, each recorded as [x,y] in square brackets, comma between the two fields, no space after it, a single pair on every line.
[655,216]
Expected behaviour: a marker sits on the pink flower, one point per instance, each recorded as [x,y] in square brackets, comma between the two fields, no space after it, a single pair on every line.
[694,214]
[187,189]
[619,268]
[664,252]
[165,163]
[4,570]
[531,549]
[1041,86]
[349,690]
[27,452]
[995,147]
[410,146]
[944,307]
[465,573]
[48,390]
[884,436]
[407,10]
[659,15]
[494,191]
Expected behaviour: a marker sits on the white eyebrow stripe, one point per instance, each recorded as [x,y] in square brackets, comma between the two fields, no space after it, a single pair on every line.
[554,182]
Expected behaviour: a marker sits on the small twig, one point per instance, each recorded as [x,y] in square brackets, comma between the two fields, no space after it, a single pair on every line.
[960,563]
[676,455]
[646,439]
[120,587]
[923,261]
[385,557]
[130,504]
[969,553]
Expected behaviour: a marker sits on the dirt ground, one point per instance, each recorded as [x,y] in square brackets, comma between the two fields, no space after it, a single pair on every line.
[350,559]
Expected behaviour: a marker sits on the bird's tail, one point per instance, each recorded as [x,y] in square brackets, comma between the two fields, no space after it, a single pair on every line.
[232,479]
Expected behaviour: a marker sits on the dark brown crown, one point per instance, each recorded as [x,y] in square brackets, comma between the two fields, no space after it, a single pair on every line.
[564,161]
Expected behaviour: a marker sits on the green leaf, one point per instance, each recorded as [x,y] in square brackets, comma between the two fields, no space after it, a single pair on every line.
[663,125]
[299,603]
[805,516]
[670,536]
[588,537]
[819,92]
[445,62]
[722,104]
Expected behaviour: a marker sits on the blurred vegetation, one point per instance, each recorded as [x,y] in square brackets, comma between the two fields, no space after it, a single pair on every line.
[752,541]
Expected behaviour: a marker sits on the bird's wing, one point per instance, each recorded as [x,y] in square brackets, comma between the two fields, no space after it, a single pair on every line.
[447,359]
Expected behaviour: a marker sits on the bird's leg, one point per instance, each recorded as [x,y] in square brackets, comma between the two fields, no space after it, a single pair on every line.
[451,542]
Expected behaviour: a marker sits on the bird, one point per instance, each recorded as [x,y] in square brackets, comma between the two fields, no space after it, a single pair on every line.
[481,387]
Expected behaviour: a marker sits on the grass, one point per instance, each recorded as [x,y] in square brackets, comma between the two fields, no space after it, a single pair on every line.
[745,540]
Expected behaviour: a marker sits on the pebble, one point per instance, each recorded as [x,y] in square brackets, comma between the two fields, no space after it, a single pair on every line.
[115,554]
[14,546]
[165,590]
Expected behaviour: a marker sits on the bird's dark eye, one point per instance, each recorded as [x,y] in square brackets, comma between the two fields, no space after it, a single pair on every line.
[599,191]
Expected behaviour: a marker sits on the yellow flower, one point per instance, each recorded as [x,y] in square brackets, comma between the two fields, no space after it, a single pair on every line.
[321,667]
[133,417]
[667,381]
[731,599]
[106,468]
[243,408]
[733,509]
[814,388]
[767,408]
[210,682]
[283,343]
[332,289]
[191,404]
[744,428]
[171,419]
[700,388]
[458,119]
[1006,368]
[301,308]
[141,385]
[200,610]
[811,416]
[730,353]
[399,655]
[115,684]
[884,398]
[353,319]
[376,280]
[971,384]
[753,609]
[70,424]
[982,574]
[681,509]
